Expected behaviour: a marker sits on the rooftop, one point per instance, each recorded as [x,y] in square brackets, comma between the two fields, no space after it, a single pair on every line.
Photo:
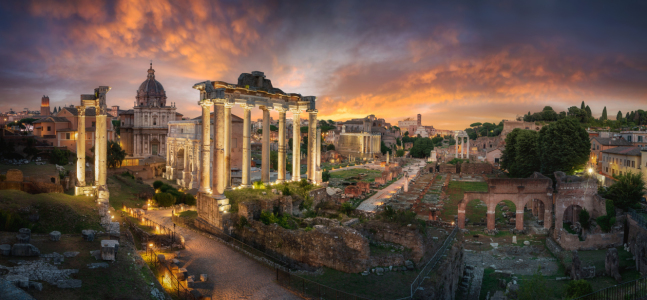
[630,151]
[612,141]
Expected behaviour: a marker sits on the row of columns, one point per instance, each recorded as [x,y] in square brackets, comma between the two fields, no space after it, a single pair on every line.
[222,148]
[463,148]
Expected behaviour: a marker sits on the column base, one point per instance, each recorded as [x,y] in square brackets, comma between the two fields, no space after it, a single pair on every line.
[103,195]
[245,186]
[214,211]
[84,191]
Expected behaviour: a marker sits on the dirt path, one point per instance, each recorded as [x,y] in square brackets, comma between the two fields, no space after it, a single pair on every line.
[232,275]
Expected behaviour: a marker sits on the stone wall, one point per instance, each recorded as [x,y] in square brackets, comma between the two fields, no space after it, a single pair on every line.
[448,168]
[14,175]
[596,241]
[47,183]
[407,236]
[637,242]
[337,247]
[476,168]
[318,196]
[443,285]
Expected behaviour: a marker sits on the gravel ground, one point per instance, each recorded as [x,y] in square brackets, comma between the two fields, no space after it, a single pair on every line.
[518,260]
[232,275]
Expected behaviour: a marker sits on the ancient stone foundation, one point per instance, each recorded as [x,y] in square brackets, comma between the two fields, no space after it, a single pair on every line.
[214,212]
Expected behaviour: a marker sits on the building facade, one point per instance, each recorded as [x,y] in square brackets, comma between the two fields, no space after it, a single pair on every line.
[621,160]
[637,138]
[144,128]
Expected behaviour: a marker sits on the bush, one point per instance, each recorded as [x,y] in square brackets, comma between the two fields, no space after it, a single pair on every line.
[12,222]
[325,176]
[606,222]
[578,288]
[242,222]
[286,191]
[346,208]
[165,188]
[585,218]
[189,199]
[330,147]
[259,185]
[127,174]
[267,217]
[164,199]
[157,184]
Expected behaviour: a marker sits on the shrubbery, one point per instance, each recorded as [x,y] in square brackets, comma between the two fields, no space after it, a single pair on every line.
[577,288]
[270,218]
[585,218]
[346,208]
[164,199]
[10,221]
[606,222]
[402,217]
[325,176]
[158,184]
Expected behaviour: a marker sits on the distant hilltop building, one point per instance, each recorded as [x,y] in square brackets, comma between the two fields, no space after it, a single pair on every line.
[44,106]
[415,128]
[144,128]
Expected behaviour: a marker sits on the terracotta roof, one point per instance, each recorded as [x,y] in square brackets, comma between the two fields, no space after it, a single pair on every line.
[52,119]
[630,151]
[612,141]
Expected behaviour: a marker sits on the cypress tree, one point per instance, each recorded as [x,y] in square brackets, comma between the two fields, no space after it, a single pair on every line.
[619,116]
[588,111]
[604,114]
[582,106]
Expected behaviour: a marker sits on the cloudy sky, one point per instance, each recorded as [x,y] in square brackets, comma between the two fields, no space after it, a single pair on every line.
[454,62]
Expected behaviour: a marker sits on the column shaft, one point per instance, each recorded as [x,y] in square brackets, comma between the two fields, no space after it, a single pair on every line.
[205,183]
[468,148]
[80,147]
[296,146]
[228,146]
[247,154]
[312,145]
[318,150]
[265,154]
[282,158]
[219,149]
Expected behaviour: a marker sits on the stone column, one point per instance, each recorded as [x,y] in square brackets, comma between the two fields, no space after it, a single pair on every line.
[468,150]
[186,174]
[296,146]
[101,145]
[228,145]
[519,219]
[247,151]
[456,146]
[219,149]
[80,147]
[312,144]
[490,219]
[205,168]
[265,151]
[318,151]
[282,147]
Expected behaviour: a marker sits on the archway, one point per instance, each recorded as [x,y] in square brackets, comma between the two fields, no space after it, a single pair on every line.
[155,147]
[179,162]
[538,209]
[571,216]
[472,211]
[505,214]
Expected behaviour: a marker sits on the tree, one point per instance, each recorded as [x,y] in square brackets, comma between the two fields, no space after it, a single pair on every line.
[59,157]
[117,125]
[582,106]
[509,154]
[526,160]
[579,114]
[157,184]
[304,129]
[421,148]
[399,153]
[584,218]
[477,125]
[626,191]
[563,146]
[164,199]
[325,176]
[406,133]
[604,114]
[330,147]
[534,288]
[383,148]
[115,154]
[31,149]
[589,113]
[619,116]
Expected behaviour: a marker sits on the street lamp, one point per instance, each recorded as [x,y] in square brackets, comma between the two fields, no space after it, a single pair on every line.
[590,170]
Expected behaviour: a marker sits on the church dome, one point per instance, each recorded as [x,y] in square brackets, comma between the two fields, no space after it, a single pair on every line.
[151,92]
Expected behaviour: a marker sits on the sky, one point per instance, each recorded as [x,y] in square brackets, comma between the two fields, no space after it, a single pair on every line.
[454,62]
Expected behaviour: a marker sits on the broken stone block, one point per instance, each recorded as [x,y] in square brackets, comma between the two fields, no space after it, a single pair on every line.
[379,271]
[189,283]
[23,238]
[196,294]
[68,283]
[26,231]
[409,264]
[55,236]
[576,267]
[88,235]
[182,274]
[203,277]
[24,250]
[611,264]
[526,243]
[514,239]
[36,286]
[18,280]
[109,249]
[70,254]
[174,268]
[5,249]
[98,265]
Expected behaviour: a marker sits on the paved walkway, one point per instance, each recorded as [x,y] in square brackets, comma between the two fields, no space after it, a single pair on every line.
[371,204]
[364,166]
[232,275]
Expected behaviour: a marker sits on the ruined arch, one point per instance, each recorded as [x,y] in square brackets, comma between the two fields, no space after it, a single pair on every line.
[179,161]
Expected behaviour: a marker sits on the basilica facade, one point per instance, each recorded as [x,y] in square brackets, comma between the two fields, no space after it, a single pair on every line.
[144,128]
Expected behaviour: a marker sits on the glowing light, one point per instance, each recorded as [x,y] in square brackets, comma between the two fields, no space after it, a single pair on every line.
[590,170]
[150,245]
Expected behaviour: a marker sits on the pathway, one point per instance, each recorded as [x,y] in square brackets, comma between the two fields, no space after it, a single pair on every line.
[231,274]
[371,203]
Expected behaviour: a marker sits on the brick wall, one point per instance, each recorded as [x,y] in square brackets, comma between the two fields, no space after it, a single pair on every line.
[476,168]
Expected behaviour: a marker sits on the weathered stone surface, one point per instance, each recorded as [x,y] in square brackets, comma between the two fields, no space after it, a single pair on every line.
[409,264]
[611,264]
[109,249]
[189,283]
[88,235]
[576,267]
[23,238]
[18,280]
[157,294]
[55,236]
[26,231]
[54,257]
[24,250]
[640,252]
[10,291]
[98,265]
[70,254]
[14,175]
[5,249]
[40,270]
[203,277]
[69,283]
[36,285]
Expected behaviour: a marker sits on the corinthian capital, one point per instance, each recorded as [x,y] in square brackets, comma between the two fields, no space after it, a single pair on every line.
[81,110]
[205,103]
[247,106]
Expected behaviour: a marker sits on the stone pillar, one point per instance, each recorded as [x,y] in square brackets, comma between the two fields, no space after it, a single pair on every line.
[296,146]
[490,220]
[265,154]
[318,151]
[101,144]
[519,219]
[219,149]
[456,146]
[205,168]
[228,145]
[461,219]
[186,174]
[312,145]
[80,147]
[468,148]
[247,151]
[282,147]
[547,219]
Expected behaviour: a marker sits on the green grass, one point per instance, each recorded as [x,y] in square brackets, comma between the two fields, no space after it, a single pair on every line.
[237,196]
[348,174]
[499,213]
[61,212]
[189,214]
[124,193]
[392,285]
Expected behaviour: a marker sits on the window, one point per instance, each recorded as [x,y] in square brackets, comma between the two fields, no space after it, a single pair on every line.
[598,147]
[49,128]
[593,147]
[632,164]
[94,124]
[122,123]
[67,136]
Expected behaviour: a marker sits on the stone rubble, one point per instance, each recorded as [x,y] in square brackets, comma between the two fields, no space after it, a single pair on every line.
[40,270]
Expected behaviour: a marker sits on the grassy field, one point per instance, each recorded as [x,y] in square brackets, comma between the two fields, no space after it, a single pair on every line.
[61,212]
[392,285]
[475,209]
[32,169]
[296,189]
[125,193]
[499,213]
[123,279]
[348,174]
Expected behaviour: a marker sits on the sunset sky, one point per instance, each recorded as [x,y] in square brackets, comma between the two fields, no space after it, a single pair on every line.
[455,62]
